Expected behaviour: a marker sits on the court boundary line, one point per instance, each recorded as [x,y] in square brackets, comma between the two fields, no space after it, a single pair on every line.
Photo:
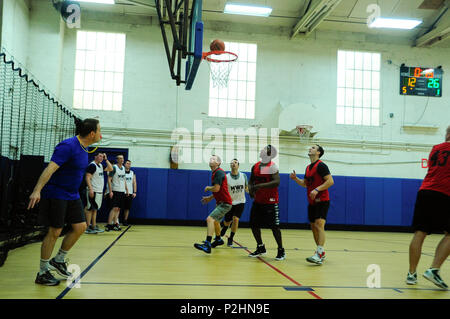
[281,273]
[92,264]
[398,289]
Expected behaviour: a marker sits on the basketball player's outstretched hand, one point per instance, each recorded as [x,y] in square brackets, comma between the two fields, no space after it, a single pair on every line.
[35,197]
[293,175]
[205,200]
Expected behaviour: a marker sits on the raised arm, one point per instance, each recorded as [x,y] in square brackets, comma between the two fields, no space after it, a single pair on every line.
[109,167]
[299,181]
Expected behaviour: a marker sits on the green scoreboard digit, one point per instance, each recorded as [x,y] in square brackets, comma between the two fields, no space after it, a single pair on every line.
[420,81]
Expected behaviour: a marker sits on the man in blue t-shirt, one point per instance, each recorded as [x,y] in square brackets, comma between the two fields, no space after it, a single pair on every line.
[60,204]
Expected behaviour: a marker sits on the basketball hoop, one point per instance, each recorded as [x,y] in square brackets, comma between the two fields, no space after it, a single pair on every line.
[304,131]
[220,63]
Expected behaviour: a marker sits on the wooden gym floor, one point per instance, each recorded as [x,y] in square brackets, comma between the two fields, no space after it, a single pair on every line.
[160,262]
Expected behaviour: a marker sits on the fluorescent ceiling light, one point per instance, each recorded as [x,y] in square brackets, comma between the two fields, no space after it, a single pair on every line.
[395,23]
[98,1]
[248,10]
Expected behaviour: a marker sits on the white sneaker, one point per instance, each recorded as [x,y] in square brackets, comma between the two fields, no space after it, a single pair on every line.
[316,258]
[433,276]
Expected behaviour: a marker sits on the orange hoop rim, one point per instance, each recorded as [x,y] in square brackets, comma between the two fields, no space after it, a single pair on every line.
[206,56]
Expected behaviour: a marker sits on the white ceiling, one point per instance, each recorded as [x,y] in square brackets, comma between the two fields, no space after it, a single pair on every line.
[347,16]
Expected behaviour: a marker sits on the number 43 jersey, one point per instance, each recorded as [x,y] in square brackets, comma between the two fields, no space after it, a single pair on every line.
[438,175]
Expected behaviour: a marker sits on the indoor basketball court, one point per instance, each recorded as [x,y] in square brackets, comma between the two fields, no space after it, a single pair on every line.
[306,140]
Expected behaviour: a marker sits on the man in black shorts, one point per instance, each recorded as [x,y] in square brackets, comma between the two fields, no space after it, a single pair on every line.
[118,186]
[432,214]
[263,187]
[237,187]
[60,203]
[95,185]
[317,181]
[130,178]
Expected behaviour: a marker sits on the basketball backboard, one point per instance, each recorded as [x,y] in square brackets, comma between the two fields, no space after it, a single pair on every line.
[184,17]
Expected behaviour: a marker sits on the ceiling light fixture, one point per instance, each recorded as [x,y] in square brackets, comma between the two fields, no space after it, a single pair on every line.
[98,1]
[390,23]
[250,10]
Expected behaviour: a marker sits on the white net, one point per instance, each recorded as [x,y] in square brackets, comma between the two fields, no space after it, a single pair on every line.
[220,66]
[304,131]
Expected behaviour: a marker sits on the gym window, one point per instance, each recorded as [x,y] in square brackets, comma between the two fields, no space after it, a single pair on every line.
[238,99]
[358,88]
[99,70]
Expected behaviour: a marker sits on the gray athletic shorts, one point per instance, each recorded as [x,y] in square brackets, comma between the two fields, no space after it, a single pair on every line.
[220,211]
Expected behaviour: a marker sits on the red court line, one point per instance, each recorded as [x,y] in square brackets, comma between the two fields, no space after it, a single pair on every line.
[280,272]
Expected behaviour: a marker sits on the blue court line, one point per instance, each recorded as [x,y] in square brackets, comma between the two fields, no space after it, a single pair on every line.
[65,291]
[289,288]
[298,288]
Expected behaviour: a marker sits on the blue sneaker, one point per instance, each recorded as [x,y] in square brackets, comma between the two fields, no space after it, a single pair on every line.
[206,247]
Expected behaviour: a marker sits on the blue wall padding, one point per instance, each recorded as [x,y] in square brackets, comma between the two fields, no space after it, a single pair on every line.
[338,198]
[176,194]
[373,206]
[355,192]
[409,192]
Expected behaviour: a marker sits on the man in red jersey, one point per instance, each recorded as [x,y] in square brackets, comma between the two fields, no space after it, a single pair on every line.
[317,181]
[223,204]
[263,188]
[432,214]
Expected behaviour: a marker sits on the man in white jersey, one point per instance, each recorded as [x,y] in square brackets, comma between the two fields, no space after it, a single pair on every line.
[130,178]
[237,187]
[118,187]
[94,191]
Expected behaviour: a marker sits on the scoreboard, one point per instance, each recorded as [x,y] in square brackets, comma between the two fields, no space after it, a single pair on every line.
[420,81]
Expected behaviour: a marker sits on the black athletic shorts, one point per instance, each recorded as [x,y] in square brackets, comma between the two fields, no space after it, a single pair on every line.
[58,212]
[127,201]
[117,200]
[318,210]
[432,212]
[236,210]
[264,215]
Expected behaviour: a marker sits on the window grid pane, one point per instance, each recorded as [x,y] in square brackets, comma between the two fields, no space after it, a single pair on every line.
[99,71]
[237,100]
[358,88]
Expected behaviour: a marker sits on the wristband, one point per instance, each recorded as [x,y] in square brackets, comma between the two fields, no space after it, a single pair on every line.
[316,190]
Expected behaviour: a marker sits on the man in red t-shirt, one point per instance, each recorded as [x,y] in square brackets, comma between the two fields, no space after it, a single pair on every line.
[223,204]
[432,214]
[263,188]
[317,181]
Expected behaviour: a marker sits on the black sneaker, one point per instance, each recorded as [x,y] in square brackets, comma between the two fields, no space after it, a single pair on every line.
[206,247]
[61,268]
[109,227]
[230,242]
[46,279]
[125,223]
[280,255]
[217,242]
[260,251]
[116,227]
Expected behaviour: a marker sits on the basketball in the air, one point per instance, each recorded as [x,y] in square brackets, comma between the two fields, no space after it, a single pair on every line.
[217,45]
